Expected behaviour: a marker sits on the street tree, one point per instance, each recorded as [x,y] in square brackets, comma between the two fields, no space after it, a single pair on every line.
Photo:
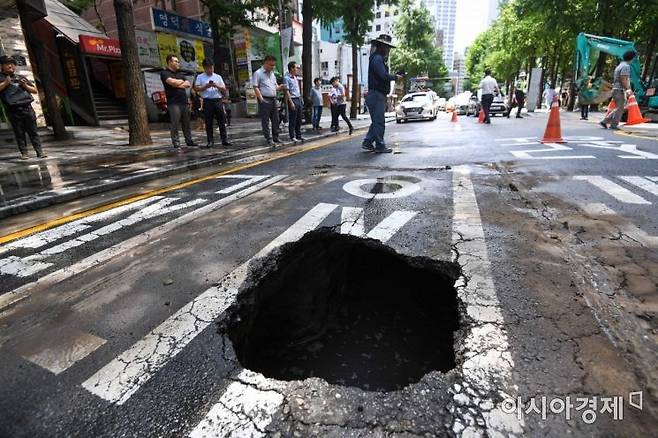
[135,100]
[416,52]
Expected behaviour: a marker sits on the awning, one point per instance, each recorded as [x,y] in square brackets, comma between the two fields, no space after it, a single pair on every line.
[68,22]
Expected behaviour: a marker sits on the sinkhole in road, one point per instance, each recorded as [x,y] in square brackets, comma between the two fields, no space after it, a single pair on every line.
[351,311]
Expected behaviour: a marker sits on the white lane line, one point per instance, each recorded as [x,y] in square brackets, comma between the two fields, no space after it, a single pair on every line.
[122,377]
[653,178]
[488,362]
[615,190]
[352,222]
[249,179]
[101,257]
[64,350]
[629,229]
[243,410]
[550,147]
[642,183]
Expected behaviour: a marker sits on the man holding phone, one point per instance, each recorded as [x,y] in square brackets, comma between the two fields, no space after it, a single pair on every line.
[211,87]
[16,93]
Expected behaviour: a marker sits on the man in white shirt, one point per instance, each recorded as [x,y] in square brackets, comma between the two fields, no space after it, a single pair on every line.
[211,87]
[489,86]
[266,87]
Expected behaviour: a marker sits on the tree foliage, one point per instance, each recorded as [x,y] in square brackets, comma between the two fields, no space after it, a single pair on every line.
[543,32]
[416,52]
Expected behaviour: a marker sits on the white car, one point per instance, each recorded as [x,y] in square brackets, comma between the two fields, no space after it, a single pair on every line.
[416,106]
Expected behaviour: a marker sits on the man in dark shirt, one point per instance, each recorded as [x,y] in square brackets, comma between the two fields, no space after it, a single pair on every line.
[16,93]
[175,85]
[379,85]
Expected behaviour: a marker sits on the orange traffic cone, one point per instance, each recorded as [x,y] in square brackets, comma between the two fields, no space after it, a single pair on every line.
[634,114]
[481,116]
[611,107]
[553,133]
[454,118]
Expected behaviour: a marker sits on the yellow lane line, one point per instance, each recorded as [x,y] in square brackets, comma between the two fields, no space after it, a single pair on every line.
[628,134]
[63,220]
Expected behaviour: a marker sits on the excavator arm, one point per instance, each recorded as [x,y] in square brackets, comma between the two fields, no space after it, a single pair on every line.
[587,50]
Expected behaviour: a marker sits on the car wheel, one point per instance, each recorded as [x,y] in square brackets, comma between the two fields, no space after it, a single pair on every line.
[398,121]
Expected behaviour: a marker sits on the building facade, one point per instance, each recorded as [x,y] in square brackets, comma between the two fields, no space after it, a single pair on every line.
[12,43]
[444,13]
[384,22]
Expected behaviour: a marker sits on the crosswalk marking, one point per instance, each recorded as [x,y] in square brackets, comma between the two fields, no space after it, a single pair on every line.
[248,180]
[352,222]
[244,409]
[106,254]
[642,183]
[63,351]
[122,377]
[613,189]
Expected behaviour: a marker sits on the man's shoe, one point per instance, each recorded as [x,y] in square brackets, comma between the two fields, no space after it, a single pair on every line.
[519,117]
[367,147]
[42,155]
[614,128]
[226,143]
[603,125]
[276,140]
[24,157]
[488,122]
[300,138]
[351,130]
[383,150]
[192,145]
[210,145]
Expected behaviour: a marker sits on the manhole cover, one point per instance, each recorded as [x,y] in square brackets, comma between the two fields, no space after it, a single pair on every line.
[349,310]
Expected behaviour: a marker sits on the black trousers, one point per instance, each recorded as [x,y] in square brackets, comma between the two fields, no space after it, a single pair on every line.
[519,105]
[268,111]
[213,109]
[295,119]
[487,100]
[336,111]
[24,121]
[584,111]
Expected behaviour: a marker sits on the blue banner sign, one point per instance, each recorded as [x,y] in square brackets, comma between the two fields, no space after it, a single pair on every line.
[170,22]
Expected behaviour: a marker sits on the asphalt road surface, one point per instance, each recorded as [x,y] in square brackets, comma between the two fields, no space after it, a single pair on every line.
[147,317]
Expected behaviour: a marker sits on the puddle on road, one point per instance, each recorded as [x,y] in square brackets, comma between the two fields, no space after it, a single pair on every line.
[348,310]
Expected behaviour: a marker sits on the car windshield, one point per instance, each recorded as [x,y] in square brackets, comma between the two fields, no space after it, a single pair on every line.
[418,98]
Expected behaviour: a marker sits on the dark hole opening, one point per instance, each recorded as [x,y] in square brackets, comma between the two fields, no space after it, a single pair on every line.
[351,311]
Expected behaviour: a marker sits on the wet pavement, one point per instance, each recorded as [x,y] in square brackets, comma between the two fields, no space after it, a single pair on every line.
[112,324]
[99,159]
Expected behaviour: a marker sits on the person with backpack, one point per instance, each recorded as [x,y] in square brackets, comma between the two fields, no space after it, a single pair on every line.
[16,94]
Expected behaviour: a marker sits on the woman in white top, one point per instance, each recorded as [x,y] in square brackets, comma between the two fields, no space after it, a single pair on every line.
[338,105]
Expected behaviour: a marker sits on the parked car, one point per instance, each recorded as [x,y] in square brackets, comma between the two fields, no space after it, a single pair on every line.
[499,106]
[462,104]
[416,106]
[441,104]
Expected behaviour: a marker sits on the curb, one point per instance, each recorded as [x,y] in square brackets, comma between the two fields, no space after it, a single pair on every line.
[46,200]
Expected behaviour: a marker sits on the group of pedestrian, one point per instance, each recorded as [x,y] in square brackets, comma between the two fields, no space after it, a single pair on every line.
[212,90]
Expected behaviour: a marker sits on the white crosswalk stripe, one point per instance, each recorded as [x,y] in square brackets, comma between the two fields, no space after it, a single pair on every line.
[642,183]
[122,377]
[613,189]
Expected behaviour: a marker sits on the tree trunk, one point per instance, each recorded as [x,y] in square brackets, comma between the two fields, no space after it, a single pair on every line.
[651,47]
[135,99]
[43,70]
[356,96]
[307,58]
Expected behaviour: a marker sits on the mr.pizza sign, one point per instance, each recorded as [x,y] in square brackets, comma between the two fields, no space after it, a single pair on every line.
[94,45]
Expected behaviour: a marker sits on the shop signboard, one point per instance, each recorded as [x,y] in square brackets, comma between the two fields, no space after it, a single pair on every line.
[147,48]
[173,23]
[191,54]
[241,45]
[252,101]
[167,45]
[93,45]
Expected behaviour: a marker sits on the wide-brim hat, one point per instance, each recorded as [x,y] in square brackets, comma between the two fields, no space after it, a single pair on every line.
[383,39]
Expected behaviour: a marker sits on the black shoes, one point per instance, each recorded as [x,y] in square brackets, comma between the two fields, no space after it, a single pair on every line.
[367,147]
[351,130]
[300,138]
[603,125]
[383,150]
[226,143]
[210,145]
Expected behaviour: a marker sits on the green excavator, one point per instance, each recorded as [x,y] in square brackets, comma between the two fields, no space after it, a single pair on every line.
[596,90]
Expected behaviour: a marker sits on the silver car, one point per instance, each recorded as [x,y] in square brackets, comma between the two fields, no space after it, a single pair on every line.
[416,106]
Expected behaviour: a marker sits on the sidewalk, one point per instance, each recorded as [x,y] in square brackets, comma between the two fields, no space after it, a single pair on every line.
[98,159]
